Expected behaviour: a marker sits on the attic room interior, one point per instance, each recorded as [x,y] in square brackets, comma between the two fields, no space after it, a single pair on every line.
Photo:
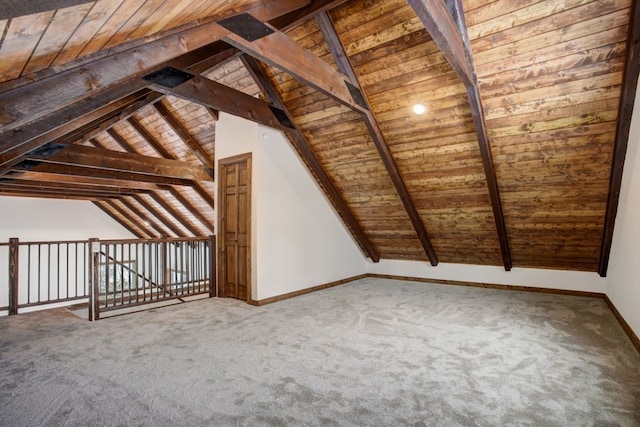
[419,212]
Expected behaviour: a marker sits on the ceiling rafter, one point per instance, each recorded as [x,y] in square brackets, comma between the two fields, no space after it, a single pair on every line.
[174,192]
[184,134]
[174,213]
[185,202]
[450,35]
[159,216]
[119,220]
[48,176]
[65,195]
[100,159]
[15,144]
[345,66]
[280,51]
[146,231]
[53,187]
[160,149]
[305,151]
[177,215]
[85,88]
[149,221]
[82,172]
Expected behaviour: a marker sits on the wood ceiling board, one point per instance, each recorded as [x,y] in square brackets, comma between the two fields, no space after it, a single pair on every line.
[169,16]
[19,41]
[392,107]
[368,168]
[111,26]
[87,30]
[135,21]
[197,121]
[153,130]
[189,149]
[345,66]
[61,27]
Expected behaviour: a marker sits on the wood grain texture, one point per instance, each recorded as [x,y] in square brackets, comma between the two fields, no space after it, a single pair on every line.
[19,41]
[550,109]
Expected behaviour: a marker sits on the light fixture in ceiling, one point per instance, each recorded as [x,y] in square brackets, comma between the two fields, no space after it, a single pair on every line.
[419,109]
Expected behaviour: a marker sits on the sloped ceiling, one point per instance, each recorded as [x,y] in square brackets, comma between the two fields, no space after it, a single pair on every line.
[516,162]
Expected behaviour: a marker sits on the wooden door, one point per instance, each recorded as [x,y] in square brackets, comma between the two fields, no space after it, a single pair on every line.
[234,197]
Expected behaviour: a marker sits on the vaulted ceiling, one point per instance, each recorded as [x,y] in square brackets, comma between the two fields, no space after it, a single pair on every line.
[517,160]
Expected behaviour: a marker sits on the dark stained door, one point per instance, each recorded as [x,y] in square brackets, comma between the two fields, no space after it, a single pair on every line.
[234,189]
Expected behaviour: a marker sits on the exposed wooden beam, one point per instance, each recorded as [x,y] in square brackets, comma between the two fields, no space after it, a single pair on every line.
[17,142]
[223,98]
[142,217]
[446,25]
[53,187]
[160,149]
[65,195]
[186,203]
[214,113]
[445,33]
[623,126]
[345,66]
[109,160]
[44,176]
[28,111]
[118,220]
[174,192]
[305,151]
[278,50]
[157,214]
[104,174]
[305,14]
[24,104]
[146,231]
[174,213]
[183,133]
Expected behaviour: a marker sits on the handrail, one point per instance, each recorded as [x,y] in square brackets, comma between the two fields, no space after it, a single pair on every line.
[144,271]
[155,240]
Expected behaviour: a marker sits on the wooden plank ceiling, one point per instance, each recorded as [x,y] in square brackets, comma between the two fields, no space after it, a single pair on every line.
[516,162]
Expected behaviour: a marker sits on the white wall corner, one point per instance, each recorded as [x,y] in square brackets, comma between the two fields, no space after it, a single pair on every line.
[623,275]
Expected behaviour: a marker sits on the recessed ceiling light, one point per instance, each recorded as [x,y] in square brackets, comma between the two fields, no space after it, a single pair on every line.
[419,109]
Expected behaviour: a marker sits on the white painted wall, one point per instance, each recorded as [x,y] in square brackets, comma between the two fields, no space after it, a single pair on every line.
[301,240]
[623,276]
[32,219]
[532,277]
[297,239]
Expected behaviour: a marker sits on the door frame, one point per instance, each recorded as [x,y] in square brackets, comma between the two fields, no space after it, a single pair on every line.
[222,164]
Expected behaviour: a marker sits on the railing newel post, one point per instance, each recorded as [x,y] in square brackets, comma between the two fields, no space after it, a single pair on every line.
[14,250]
[94,282]
[213,284]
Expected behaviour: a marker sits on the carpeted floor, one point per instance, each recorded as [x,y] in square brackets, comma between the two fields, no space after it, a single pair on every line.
[372,352]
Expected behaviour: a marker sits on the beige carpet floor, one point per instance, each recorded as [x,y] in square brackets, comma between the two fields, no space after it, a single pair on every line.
[371,352]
